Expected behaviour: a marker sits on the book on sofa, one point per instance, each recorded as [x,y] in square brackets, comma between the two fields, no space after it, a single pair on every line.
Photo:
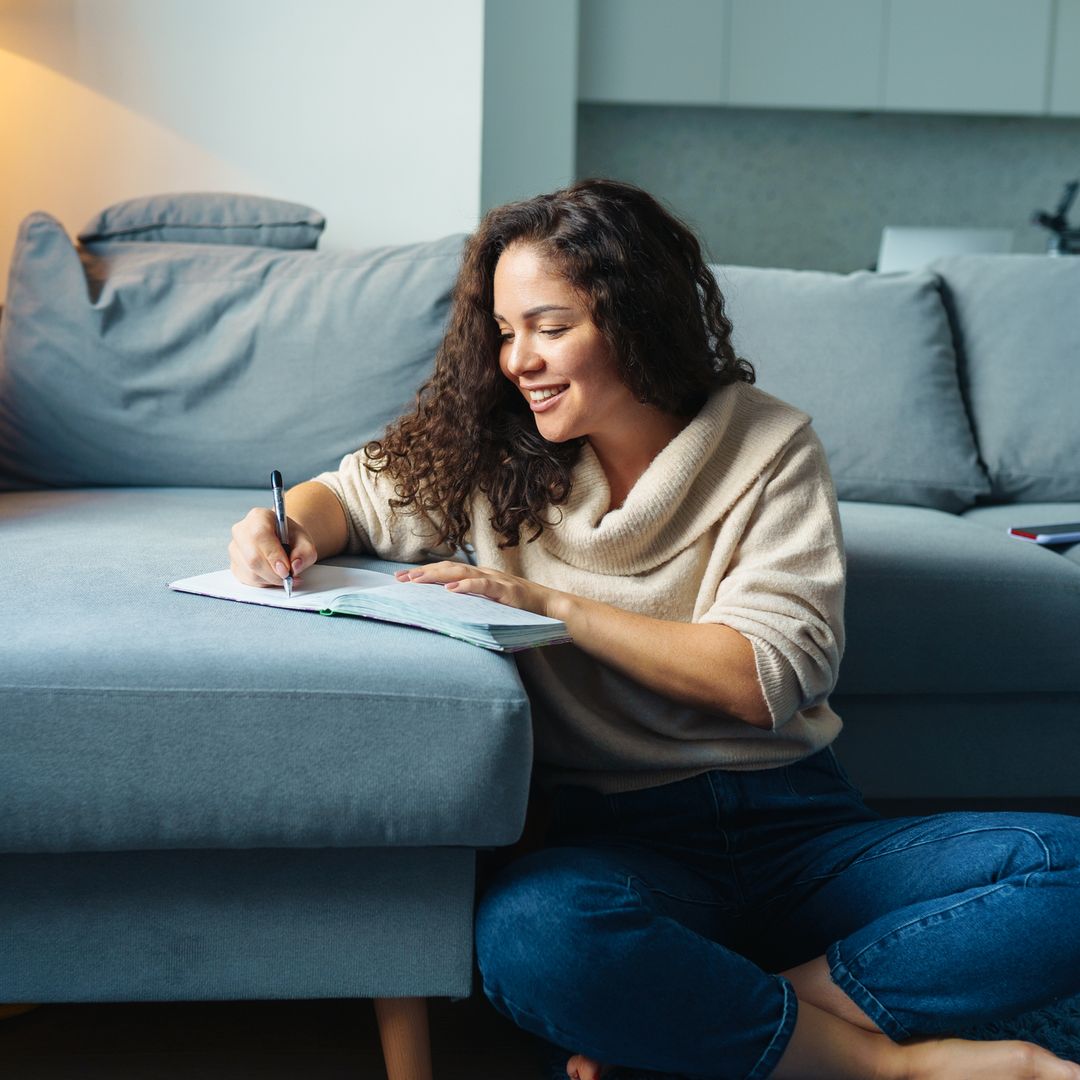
[348,590]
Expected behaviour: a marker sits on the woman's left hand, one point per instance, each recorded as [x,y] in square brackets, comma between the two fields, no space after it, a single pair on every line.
[479,581]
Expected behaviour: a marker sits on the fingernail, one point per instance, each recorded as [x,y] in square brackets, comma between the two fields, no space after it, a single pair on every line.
[297,564]
[452,584]
[280,569]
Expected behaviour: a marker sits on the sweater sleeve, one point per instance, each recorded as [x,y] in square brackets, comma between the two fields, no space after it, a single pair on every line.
[375,527]
[784,587]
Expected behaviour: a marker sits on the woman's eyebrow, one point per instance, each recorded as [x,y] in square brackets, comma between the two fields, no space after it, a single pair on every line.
[533,312]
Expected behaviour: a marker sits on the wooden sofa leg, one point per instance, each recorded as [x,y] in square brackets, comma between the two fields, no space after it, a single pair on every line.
[406,1042]
[7,1011]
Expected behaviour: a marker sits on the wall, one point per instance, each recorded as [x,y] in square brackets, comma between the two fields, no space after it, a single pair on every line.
[809,189]
[369,111]
[530,98]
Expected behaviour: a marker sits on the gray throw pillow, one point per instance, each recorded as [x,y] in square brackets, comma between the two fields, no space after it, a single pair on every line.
[207,364]
[207,218]
[1019,330]
[870,358]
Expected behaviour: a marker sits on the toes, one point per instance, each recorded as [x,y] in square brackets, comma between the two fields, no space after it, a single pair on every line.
[579,1067]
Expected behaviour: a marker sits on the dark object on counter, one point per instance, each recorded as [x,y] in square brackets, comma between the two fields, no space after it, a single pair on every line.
[1063,240]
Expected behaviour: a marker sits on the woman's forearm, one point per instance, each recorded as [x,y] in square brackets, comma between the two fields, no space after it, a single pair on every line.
[315,508]
[706,665]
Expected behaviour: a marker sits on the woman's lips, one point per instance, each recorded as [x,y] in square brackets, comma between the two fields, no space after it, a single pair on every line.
[547,403]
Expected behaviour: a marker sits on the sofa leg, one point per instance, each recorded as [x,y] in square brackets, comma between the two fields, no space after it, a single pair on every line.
[406,1042]
[7,1011]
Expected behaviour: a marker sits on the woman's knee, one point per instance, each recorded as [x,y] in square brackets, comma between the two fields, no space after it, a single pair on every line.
[1059,837]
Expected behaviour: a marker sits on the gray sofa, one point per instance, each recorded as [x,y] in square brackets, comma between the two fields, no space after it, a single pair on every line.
[202,800]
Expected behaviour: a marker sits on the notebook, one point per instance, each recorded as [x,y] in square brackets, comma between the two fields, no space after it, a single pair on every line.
[348,590]
[1047,534]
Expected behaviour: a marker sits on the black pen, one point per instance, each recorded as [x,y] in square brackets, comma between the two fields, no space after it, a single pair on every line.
[282,523]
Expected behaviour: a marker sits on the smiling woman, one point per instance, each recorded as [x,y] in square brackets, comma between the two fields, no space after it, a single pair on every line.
[711,897]
[638,315]
[553,352]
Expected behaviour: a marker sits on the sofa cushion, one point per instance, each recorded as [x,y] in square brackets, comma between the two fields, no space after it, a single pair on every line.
[135,717]
[938,604]
[1018,318]
[871,359]
[207,218]
[207,364]
[1001,518]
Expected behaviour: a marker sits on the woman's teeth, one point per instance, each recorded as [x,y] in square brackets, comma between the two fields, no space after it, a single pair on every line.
[543,395]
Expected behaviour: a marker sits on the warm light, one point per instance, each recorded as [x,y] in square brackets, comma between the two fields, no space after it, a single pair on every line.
[72,151]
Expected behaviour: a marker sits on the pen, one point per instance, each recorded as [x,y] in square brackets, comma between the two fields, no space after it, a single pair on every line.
[282,523]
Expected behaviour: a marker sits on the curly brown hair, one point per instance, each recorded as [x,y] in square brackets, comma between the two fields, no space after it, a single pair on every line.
[651,296]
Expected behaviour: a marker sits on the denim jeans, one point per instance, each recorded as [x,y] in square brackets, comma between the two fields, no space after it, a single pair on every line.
[649,930]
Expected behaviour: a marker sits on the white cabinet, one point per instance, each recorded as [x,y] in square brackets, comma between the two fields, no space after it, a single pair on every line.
[1065,70]
[820,55]
[669,52]
[1018,57]
[967,56]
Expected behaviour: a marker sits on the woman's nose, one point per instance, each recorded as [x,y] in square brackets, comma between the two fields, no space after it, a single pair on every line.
[523,356]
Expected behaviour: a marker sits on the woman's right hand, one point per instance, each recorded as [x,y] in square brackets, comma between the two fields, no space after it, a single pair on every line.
[256,556]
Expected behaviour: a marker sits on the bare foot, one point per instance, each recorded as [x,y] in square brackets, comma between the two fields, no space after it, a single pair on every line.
[962,1059]
[580,1067]
[934,1059]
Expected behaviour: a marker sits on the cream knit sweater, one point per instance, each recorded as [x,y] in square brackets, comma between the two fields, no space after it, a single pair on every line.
[733,522]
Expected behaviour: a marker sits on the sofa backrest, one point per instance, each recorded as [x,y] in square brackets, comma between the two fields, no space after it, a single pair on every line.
[207,364]
[1017,319]
[137,360]
[870,357]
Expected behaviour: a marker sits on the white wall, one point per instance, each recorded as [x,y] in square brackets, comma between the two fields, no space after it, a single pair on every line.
[370,111]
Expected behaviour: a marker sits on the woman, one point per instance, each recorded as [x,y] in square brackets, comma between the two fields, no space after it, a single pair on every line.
[712,899]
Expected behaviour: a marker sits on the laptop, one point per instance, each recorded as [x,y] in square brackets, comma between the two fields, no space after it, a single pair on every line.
[906,248]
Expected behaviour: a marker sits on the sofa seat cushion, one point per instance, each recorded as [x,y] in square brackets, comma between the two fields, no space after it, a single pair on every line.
[133,716]
[939,604]
[1006,516]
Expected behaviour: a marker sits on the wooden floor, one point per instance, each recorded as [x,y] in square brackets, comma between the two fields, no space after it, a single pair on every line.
[269,1040]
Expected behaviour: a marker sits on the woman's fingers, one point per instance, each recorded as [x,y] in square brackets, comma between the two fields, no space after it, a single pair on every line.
[460,577]
[303,553]
[440,572]
[478,581]
[256,556]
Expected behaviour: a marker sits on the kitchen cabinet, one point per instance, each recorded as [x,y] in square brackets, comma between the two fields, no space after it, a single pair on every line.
[669,53]
[820,55]
[1065,72]
[1018,57]
[967,56]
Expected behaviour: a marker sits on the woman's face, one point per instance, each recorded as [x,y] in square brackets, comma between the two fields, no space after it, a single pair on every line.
[553,352]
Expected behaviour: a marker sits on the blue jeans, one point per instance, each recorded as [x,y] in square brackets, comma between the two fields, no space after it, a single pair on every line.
[648,930]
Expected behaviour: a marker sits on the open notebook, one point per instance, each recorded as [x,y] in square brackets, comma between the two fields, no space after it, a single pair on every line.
[347,590]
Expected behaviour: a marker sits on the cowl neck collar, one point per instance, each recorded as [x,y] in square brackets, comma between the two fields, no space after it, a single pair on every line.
[688,487]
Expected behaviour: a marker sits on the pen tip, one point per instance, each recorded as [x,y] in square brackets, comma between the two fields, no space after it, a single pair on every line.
[288,587]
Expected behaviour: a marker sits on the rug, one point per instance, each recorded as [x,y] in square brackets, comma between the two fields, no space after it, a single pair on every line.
[1055,1027]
